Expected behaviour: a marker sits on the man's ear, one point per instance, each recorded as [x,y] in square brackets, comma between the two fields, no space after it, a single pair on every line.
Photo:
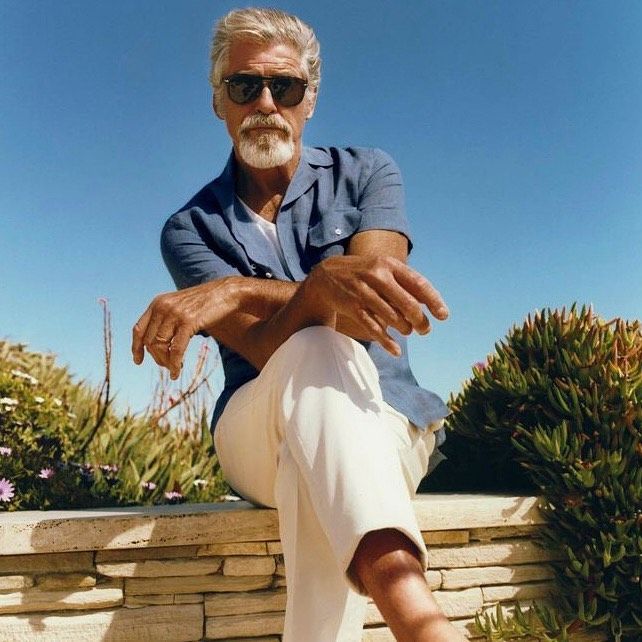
[217,111]
[312,103]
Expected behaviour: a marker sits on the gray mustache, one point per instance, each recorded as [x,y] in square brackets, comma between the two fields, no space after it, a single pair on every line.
[257,120]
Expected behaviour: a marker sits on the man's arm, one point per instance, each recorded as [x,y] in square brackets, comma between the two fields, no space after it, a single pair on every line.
[368,290]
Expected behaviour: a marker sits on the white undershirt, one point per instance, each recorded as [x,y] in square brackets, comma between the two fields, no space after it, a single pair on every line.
[268,230]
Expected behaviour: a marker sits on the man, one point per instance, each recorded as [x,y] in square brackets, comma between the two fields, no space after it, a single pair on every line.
[287,259]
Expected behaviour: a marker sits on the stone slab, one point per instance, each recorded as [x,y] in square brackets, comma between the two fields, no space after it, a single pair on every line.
[449,511]
[517,592]
[195,584]
[148,624]
[15,582]
[135,601]
[437,538]
[135,527]
[188,598]
[162,568]
[240,548]
[248,565]
[149,553]
[58,581]
[274,548]
[35,600]
[434,579]
[247,602]
[503,532]
[489,575]
[46,562]
[230,626]
[505,552]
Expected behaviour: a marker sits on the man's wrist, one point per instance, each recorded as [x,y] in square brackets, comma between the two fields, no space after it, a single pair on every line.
[310,302]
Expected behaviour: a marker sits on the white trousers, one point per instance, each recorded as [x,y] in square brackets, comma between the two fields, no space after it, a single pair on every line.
[312,437]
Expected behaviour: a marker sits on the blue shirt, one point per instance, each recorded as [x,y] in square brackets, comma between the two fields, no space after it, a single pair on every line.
[333,194]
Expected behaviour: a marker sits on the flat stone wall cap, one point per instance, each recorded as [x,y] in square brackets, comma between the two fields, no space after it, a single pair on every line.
[450,511]
[27,532]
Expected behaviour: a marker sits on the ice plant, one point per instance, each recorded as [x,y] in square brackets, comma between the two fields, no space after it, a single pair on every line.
[7,490]
[46,473]
[561,403]
[148,485]
[5,451]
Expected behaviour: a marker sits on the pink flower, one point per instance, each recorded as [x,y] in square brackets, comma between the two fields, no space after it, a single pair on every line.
[148,485]
[481,365]
[109,468]
[173,495]
[5,450]
[7,490]
[46,473]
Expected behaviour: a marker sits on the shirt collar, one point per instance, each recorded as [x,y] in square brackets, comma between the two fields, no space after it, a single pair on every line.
[241,226]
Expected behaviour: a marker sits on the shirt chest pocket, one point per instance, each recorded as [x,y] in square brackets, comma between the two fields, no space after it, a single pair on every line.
[330,235]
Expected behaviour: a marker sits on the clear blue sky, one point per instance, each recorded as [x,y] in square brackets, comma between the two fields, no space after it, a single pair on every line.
[517,126]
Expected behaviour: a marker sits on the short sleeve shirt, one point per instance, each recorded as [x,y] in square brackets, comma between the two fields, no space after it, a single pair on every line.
[334,194]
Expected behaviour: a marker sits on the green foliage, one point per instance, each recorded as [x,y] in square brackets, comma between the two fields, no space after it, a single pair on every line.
[63,446]
[559,403]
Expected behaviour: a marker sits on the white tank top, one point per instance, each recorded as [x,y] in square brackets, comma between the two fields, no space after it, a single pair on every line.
[268,230]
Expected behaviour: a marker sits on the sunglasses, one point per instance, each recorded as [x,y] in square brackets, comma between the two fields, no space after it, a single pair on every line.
[245,88]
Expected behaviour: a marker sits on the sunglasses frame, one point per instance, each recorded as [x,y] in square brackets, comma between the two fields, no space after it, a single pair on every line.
[266,81]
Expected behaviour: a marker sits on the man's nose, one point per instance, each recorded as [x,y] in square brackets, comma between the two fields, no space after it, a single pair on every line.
[265,102]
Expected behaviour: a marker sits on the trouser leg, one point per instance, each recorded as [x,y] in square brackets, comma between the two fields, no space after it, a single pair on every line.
[313,437]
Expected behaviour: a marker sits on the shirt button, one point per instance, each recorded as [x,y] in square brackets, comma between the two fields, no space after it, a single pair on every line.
[268,275]
[337,231]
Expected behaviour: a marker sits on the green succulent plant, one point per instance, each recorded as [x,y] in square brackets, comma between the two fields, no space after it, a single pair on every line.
[558,408]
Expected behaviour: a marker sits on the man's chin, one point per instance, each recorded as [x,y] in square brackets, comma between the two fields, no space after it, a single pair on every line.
[265,157]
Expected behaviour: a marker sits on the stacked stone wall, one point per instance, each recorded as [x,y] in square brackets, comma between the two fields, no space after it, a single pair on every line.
[216,572]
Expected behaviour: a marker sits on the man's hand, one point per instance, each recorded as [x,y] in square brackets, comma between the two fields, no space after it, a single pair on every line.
[172,319]
[375,292]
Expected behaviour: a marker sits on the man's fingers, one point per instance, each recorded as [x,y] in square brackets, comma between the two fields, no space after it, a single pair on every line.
[407,308]
[177,351]
[385,313]
[376,329]
[138,334]
[423,291]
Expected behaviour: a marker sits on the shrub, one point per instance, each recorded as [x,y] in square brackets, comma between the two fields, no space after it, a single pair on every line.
[558,405]
[63,446]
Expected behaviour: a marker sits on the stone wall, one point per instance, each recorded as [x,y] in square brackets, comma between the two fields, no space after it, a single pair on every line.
[215,571]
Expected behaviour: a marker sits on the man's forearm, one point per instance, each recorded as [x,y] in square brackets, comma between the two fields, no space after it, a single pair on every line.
[265,314]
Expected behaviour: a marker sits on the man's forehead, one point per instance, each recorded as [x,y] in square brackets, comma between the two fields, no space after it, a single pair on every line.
[245,55]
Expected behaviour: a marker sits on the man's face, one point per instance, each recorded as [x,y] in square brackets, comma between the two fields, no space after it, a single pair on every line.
[264,133]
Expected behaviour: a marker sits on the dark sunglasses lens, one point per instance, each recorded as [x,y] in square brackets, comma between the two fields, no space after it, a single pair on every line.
[244,89]
[287,91]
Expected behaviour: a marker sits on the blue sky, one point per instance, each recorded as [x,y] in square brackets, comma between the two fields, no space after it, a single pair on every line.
[517,126]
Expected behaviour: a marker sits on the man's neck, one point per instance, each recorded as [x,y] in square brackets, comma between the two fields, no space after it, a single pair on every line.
[263,189]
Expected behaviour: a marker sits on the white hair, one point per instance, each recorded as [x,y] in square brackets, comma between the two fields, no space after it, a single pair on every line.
[264,26]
